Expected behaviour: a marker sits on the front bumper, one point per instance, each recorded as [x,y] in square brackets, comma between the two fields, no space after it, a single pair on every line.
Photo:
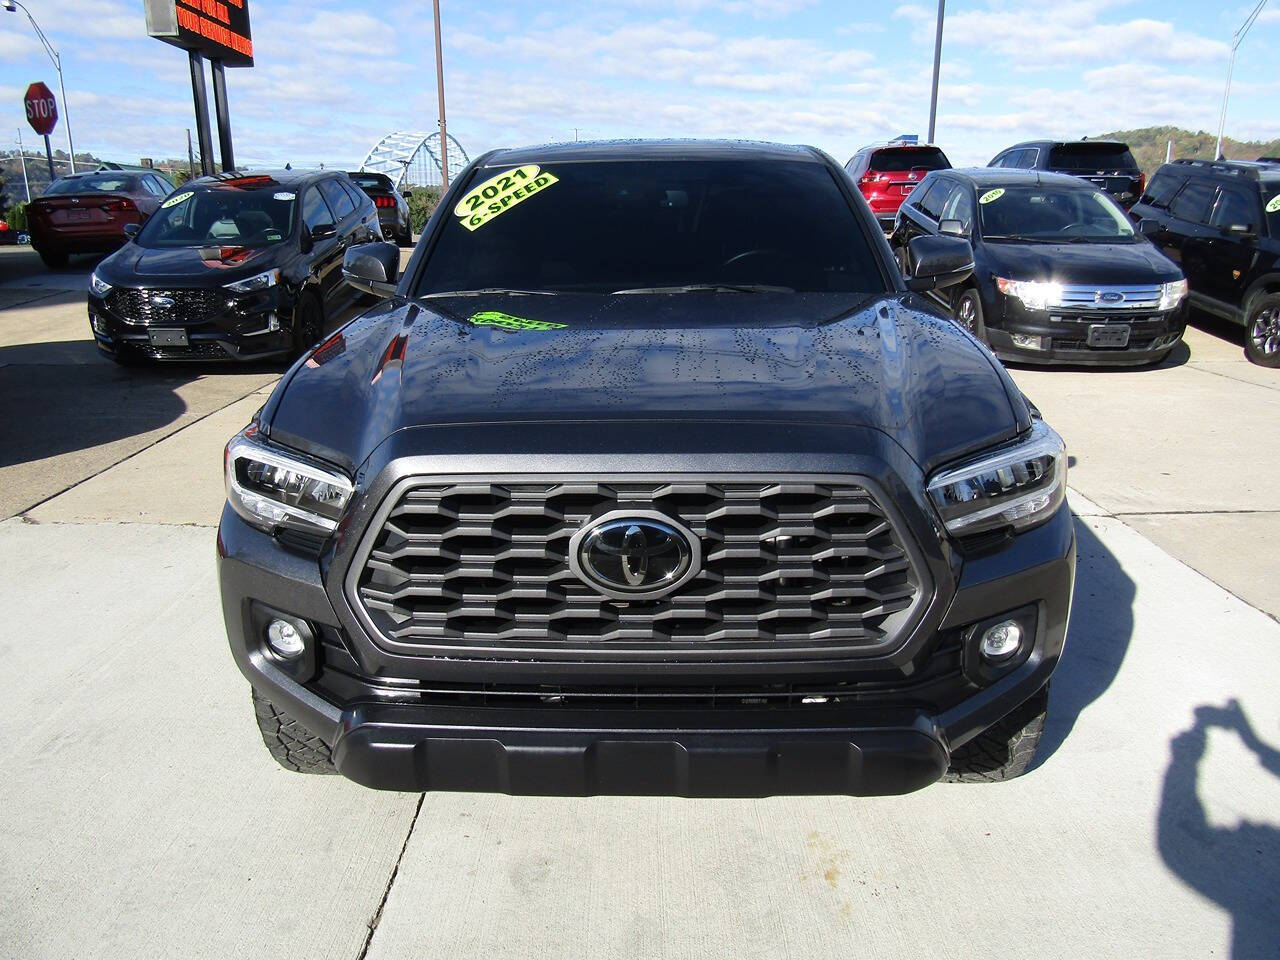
[1063,336]
[249,327]
[400,726]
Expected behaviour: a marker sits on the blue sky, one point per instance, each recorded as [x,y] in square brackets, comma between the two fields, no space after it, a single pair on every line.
[331,77]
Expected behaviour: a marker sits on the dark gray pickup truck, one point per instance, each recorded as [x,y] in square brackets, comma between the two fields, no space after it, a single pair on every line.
[650,475]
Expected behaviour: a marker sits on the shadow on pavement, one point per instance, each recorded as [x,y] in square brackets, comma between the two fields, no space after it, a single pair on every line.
[1237,867]
[1097,639]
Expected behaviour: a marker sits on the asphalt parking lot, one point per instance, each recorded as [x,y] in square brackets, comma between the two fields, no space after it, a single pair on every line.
[144,818]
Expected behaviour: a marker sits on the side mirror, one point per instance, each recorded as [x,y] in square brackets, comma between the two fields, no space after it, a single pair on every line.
[939,262]
[323,231]
[951,228]
[1148,227]
[373,268]
[406,194]
[131,229]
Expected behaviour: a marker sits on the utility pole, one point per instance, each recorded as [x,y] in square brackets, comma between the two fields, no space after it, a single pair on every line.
[1231,68]
[13,6]
[444,135]
[937,65]
[22,155]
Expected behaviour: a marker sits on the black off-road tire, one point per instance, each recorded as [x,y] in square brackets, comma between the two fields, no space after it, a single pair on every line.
[293,745]
[1005,750]
[1262,330]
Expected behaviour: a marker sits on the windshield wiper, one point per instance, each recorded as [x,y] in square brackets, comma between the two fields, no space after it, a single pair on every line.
[711,288]
[486,291]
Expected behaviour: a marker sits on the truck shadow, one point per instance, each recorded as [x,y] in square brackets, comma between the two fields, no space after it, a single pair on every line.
[1097,639]
[1236,867]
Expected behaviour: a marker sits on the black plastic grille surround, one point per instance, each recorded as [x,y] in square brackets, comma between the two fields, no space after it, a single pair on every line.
[189,306]
[790,563]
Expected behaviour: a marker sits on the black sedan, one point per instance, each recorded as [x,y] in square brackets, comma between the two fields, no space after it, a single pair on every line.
[1060,273]
[235,266]
[393,206]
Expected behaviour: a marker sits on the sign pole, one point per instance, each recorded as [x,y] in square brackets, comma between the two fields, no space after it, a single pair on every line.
[48,154]
[201,97]
[224,114]
[23,157]
[444,133]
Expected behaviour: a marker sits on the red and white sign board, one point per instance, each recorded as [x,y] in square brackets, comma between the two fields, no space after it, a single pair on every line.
[42,109]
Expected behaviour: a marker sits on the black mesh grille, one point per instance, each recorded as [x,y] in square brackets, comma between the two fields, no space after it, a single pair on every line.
[189,306]
[784,563]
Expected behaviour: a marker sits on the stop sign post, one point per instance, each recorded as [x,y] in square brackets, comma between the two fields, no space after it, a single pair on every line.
[42,114]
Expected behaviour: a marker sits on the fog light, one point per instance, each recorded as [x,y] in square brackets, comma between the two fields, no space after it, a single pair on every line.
[98,325]
[286,641]
[1000,641]
[1028,342]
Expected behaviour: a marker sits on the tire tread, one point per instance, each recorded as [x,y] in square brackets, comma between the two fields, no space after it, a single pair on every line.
[293,745]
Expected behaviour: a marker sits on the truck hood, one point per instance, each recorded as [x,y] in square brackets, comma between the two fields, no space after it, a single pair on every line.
[850,359]
[1100,263]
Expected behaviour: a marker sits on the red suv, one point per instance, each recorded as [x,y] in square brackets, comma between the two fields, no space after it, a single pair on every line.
[887,172]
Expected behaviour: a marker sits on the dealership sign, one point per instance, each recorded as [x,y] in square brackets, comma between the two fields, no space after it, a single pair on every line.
[219,29]
[42,109]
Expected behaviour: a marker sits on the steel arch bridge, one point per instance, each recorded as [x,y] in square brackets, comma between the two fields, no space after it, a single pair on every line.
[413,159]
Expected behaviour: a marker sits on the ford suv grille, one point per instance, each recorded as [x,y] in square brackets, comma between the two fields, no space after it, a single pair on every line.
[187,306]
[786,564]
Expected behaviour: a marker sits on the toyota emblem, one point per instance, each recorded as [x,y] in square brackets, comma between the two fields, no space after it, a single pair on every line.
[634,555]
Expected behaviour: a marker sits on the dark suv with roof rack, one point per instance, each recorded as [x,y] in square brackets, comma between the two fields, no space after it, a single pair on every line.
[1104,163]
[237,266]
[1220,221]
[650,476]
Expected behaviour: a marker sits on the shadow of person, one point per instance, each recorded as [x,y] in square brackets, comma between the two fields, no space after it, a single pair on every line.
[1097,639]
[1236,867]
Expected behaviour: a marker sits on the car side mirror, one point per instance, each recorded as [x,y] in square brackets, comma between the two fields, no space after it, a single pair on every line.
[1148,227]
[373,268]
[939,262]
[131,229]
[406,194]
[951,228]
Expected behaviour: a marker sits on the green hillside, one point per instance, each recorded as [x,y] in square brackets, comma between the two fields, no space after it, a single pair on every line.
[1148,146]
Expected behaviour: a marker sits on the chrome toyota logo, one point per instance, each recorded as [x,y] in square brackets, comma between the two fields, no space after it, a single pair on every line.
[1108,296]
[634,555]
[165,302]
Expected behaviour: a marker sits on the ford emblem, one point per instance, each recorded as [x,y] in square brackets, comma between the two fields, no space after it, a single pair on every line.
[1109,296]
[634,555]
[164,302]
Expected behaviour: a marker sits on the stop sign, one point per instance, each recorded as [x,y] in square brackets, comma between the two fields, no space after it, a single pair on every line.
[42,109]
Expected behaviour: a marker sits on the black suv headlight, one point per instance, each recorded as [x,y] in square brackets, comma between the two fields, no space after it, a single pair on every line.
[270,487]
[1017,485]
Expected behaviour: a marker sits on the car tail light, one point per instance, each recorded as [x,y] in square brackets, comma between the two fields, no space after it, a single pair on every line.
[1142,184]
[121,205]
[384,202]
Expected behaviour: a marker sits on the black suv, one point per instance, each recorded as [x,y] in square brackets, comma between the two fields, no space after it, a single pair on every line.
[1221,222]
[392,204]
[242,265]
[651,476]
[1105,163]
[1060,273]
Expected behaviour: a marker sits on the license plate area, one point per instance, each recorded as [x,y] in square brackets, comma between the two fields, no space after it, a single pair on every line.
[171,337]
[1108,335]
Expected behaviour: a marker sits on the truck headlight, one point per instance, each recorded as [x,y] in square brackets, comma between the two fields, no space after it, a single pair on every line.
[99,286]
[1018,485]
[1034,294]
[268,278]
[1171,293]
[270,487]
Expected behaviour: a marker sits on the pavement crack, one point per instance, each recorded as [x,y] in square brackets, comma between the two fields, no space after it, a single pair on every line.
[1187,513]
[395,872]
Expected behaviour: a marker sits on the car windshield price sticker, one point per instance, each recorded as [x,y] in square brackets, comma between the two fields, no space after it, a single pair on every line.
[496,318]
[1273,205]
[990,195]
[178,198]
[499,194]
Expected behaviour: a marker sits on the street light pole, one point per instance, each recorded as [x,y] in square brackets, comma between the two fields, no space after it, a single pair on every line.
[13,6]
[1231,69]
[937,64]
[444,136]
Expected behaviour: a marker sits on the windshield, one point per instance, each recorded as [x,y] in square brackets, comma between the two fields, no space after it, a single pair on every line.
[223,215]
[639,225]
[1092,157]
[908,158]
[94,183]
[1051,214]
[371,181]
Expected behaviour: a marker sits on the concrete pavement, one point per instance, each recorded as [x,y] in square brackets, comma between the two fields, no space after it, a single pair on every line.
[146,819]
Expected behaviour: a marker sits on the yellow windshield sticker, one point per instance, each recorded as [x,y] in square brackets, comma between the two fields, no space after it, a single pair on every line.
[499,194]
[1273,205]
[990,195]
[177,198]
[496,318]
